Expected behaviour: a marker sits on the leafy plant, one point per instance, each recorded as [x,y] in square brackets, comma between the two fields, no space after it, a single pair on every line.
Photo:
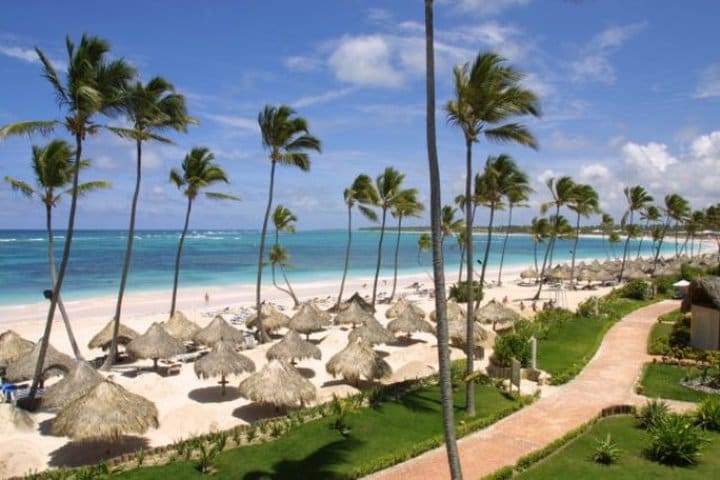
[140,457]
[220,440]
[606,450]
[206,456]
[680,334]
[235,433]
[675,441]
[707,415]
[459,292]
[635,290]
[509,346]
[277,429]
[652,413]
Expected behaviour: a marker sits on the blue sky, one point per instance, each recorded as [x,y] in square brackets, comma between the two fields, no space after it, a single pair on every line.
[630,94]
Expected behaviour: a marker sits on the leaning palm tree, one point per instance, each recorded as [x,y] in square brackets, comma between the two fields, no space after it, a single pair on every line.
[93,85]
[449,225]
[517,194]
[607,226]
[359,190]
[53,167]
[406,206]
[288,138]
[650,213]
[539,231]
[637,199]
[198,171]
[584,202]
[151,108]
[284,221]
[676,208]
[424,244]
[446,398]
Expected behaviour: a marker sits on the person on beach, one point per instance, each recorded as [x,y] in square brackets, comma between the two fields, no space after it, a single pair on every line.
[207,298]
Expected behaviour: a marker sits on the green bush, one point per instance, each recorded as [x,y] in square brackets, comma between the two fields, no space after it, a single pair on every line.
[708,414]
[675,441]
[635,290]
[504,473]
[690,272]
[459,291]
[509,346]
[606,451]
[680,334]
[589,308]
[664,285]
[651,414]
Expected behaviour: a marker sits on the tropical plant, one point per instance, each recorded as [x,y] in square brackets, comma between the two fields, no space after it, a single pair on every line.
[707,415]
[650,213]
[197,172]
[584,202]
[53,168]
[606,450]
[288,138]
[651,413]
[676,209]
[675,441]
[539,231]
[405,206]
[446,398]
[151,108]
[424,244]
[607,226]
[450,226]
[283,220]
[518,191]
[637,199]
[93,85]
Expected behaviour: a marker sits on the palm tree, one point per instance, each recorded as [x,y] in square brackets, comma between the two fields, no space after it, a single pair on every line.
[406,206]
[284,221]
[712,222]
[539,230]
[152,108]
[93,85]
[361,188]
[518,193]
[446,399]
[607,226]
[584,202]
[675,208]
[53,168]
[637,199]
[450,225]
[424,244]
[650,213]
[198,171]
[487,94]
[288,138]
[694,224]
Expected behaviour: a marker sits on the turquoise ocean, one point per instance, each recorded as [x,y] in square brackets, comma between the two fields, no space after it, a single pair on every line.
[226,257]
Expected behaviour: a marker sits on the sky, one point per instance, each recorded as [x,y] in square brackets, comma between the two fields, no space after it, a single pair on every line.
[629,93]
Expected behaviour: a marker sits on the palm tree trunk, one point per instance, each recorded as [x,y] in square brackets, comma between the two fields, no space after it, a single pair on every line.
[446,400]
[379,257]
[51,260]
[625,250]
[535,245]
[462,263]
[126,263]
[470,320]
[290,290]
[397,251]
[178,256]
[275,284]
[61,274]
[660,242]
[507,235]
[574,250]
[486,255]
[642,237]
[555,235]
[262,334]
[347,257]
[542,270]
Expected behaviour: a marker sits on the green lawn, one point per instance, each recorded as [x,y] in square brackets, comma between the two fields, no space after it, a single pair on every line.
[574,461]
[659,331]
[317,450]
[672,317]
[663,381]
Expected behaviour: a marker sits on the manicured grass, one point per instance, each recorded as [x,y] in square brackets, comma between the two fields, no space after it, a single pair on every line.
[575,462]
[660,331]
[672,317]
[663,381]
[317,450]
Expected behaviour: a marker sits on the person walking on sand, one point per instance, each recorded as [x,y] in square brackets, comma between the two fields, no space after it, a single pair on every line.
[207,298]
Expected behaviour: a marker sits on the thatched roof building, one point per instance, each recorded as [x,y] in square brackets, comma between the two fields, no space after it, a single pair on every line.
[278,383]
[81,379]
[224,360]
[354,314]
[103,338]
[292,348]
[155,343]
[356,360]
[401,305]
[217,330]
[14,420]
[372,332]
[495,312]
[273,319]
[357,298]
[306,320]
[409,322]
[180,327]
[453,310]
[23,367]
[12,346]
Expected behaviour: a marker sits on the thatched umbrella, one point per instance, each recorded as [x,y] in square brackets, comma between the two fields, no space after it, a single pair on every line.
[217,330]
[23,367]
[409,322]
[180,327]
[155,343]
[635,274]
[103,338]
[357,360]
[357,298]
[401,305]
[496,313]
[105,412]
[326,317]
[452,308]
[292,348]
[529,273]
[279,384]
[306,321]
[81,379]
[14,419]
[12,346]
[353,314]
[273,318]
[457,333]
[222,361]
[373,332]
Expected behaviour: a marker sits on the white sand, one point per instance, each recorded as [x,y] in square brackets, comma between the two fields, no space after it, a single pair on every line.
[189,406]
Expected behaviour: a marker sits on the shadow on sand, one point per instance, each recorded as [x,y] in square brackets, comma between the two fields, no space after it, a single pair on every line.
[75,454]
[253,412]
[214,394]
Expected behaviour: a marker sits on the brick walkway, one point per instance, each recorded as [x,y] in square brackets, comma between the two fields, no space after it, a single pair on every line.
[607,380]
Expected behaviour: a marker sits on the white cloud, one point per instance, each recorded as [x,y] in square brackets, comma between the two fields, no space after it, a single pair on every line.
[242,123]
[547,174]
[594,173]
[29,55]
[365,60]
[378,15]
[502,38]
[560,141]
[302,63]
[484,7]
[329,96]
[707,146]
[594,64]
[594,67]
[650,158]
[709,83]
[104,162]
[616,36]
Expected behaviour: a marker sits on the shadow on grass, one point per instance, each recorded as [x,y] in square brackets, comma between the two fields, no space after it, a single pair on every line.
[419,402]
[75,454]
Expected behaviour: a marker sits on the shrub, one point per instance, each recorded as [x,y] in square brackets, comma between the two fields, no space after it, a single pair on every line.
[509,346]
[206,456]
[589,308]
[690,272]
[635,290]
[504,473]
[652,413]
[675,441]
[708,414]
[680,334]
[458,292]
[606,451]
[664,285]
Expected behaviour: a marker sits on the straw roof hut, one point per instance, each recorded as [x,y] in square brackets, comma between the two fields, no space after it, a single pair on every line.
[457,332]
[635,274]
[306,320]
[292,348]
[278,383]
[180,327]
[155,343]
[81,379]
[217,330]
[356,360]
[23,367]
[105,412]
[373,332]
[357,298]
[401,305]
[224,360]
[408,322]
[103,338]
[273,318]
[453,310]
[12,346]
[14,419]
[496,313]
[529,273]
[326,317]
[353,314]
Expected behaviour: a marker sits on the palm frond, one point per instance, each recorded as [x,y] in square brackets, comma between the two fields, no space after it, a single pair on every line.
[222,196]
[512,132]
[368,213]
[20,186]
[28,128]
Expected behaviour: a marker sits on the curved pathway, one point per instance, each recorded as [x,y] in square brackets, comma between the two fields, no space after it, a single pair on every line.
[607,380]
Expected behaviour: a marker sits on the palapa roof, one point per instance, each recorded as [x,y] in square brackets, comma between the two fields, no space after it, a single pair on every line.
[357,298]
[12,346]
[495,312]
[272,318]
[326,317]
[224,360]
[353,314]
[356,360]
[180,327]
[529,273]
[107,411]
[155,343]
[293,347]
[23,367]
[703,292]
[219,329]
[14,419]
[457,332]
[81,379]
[306,320]
[103,338]
[373,332]
[453,310]
[278,383]
[408,322]
[401,305]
